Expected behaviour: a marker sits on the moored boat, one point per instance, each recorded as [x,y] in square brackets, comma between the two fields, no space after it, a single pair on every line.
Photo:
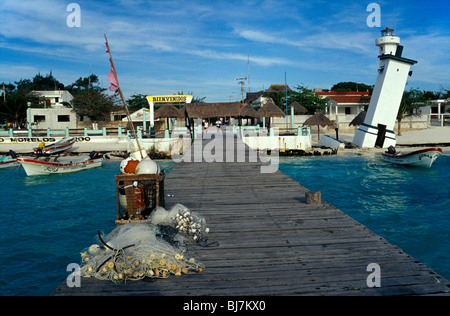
[419,158]
[6,162]
[40,167]
[58,147]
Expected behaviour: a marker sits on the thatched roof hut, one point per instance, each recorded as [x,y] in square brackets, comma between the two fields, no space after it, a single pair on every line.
[248,112]
[359,119]
[167,111]
[270,110]
[206,110]
[298,108]
[318,119]
[278,88]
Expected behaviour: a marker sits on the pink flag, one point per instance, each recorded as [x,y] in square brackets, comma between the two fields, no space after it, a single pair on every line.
[112,79]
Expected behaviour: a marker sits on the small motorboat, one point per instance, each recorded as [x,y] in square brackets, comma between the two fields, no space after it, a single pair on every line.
[6,162]
[418,158]
[58,147]
[35,167]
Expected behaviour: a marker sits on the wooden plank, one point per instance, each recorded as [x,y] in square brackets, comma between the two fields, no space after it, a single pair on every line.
[270,242]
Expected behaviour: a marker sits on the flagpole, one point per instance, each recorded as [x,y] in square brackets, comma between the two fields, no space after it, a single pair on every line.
[123,99]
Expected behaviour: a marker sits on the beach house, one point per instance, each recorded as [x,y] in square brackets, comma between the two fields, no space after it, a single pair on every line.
[342,107]
[57,111]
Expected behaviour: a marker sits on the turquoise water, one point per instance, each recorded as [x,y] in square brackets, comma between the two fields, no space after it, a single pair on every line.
[48,220]
[410,207]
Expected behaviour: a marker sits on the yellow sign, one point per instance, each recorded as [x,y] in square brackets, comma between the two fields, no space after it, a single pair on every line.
[169,98]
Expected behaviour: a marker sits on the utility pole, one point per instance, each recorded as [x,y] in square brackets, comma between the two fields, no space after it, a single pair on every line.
[285,87]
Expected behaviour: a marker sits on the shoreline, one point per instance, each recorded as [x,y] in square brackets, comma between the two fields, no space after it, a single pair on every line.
[408,141]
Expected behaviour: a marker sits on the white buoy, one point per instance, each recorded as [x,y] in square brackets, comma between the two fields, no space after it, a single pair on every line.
[147,166]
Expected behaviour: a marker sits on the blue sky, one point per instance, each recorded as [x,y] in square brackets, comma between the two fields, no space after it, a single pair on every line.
[202,46]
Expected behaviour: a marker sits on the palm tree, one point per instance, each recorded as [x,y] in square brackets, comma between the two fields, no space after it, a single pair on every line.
[14,107]
[411,101]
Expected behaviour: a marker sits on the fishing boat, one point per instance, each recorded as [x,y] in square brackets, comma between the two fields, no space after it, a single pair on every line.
[6,162]
[35,167]
[58,147]
[418,158]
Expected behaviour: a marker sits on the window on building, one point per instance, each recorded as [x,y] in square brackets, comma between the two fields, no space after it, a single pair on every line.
[119,117]
[348,110]
[63,118]
[39,118]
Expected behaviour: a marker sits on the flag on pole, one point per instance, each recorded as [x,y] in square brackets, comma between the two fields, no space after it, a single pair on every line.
[112,80]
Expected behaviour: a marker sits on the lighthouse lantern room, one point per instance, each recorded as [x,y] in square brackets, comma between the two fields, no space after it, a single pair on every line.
[378,127]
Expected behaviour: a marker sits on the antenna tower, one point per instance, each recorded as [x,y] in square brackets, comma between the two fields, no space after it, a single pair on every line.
[241,81]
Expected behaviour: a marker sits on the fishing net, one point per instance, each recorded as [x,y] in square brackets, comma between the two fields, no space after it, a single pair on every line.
[155,248]
[189,227]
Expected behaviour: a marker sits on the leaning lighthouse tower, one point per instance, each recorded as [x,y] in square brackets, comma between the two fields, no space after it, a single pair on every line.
[378,127]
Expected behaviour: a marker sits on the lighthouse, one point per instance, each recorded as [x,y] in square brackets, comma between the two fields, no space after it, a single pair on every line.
[393,70]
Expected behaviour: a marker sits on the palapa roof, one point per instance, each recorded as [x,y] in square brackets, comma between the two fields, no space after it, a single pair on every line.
[248,111]
[253,96]
[298,108]
[205,110]
[278,88]
[166,111]
[359,119]
[318,119]
[270,110]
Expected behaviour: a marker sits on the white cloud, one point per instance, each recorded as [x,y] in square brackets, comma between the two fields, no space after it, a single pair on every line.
[164,45]
[357,42]
[11,72]
[263,61]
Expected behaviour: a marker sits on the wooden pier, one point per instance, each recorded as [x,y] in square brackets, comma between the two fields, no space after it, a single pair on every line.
[270,242]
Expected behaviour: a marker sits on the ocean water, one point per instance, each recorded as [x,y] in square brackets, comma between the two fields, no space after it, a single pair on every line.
[408,206]
[46,221]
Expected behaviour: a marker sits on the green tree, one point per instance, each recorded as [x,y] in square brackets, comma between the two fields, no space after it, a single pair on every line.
[94,104]
[412,100]
[137,102]
[444,93]
[87,83]
[278,96]
[350,86]
[14,105]
[306,97]
[39,82]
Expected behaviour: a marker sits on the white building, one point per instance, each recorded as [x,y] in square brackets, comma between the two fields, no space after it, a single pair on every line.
[438,110]
[378,127]
[55,99]
[344,106]
[57,113]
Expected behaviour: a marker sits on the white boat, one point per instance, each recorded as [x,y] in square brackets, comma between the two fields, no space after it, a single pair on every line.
[58,147]
[35,167]
[6,162]
[418,158]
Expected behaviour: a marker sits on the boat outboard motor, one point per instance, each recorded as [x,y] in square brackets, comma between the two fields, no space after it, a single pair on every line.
[12,154]
[391,150]
[95,155]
